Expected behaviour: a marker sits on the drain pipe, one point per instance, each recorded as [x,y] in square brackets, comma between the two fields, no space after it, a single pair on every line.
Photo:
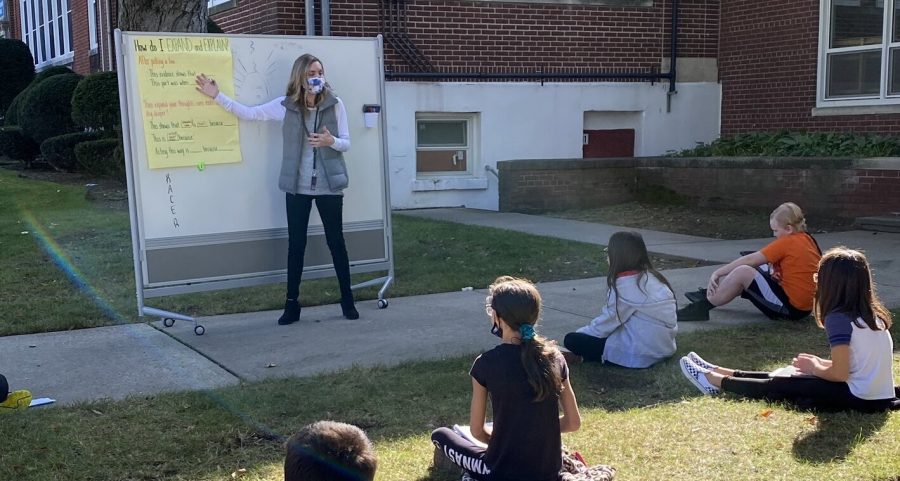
[326,17]
[673,56]
[310,13]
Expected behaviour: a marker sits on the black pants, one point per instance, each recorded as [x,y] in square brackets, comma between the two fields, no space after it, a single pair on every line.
[4,388]
[590,348]
[462,452]
[804,392]
[330,209]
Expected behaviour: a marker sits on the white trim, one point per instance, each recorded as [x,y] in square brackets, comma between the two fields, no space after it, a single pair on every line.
[92,25]
[884,97]
[47,49]
[470,147]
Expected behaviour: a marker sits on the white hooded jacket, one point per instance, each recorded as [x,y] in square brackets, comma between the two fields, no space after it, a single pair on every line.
[644,331]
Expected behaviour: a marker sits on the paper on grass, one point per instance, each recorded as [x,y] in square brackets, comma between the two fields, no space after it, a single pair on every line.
[41,401]
[466,432]
[788,371]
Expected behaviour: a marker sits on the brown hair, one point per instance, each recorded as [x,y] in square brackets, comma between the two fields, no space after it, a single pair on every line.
[329,451]
[789,214]
[518,302]
[845,285]
[296,88]
[627,252]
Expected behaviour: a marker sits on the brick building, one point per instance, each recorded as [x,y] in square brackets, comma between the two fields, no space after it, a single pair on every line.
[474,82]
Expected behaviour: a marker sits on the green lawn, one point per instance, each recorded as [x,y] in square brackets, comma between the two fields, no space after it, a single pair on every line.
[649,424]
[52,240]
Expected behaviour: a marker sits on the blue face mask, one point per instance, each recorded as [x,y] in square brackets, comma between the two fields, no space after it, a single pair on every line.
[316,84]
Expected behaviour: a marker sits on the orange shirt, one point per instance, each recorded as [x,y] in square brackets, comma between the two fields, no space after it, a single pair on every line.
[794,260]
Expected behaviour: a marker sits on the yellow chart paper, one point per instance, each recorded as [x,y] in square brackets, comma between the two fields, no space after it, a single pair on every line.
[182,127]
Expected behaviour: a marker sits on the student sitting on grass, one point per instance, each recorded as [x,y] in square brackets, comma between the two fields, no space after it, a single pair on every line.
[858,375]
[330,451]
[528,381]
[12,401]
[782,291]
[637,325]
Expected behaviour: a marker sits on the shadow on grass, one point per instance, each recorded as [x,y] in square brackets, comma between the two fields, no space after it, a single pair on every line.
[836,436]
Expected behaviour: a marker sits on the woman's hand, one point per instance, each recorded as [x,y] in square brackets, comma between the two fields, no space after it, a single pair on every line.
[207,86]
[324,139]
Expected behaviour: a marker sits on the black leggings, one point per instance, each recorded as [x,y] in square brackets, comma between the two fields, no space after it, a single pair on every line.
[590,348]
[804,392]
[462,452]
[4,388]
[330,209]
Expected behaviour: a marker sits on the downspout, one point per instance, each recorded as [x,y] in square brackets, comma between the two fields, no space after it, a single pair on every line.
[673,55]
[310,10]
[326,18]
[109,45]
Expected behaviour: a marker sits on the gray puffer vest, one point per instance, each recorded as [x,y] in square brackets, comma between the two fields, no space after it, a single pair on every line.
[294,132]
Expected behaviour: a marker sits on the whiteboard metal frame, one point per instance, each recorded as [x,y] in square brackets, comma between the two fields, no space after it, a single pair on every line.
[138,242]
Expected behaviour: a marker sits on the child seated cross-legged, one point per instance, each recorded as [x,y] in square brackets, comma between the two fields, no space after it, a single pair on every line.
[637,326]
[527,381]
[12,401]
[859,374]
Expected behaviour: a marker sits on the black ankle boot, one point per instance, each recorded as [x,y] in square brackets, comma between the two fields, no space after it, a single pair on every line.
[349,310]
[291,313]
[695,311]
[696,296]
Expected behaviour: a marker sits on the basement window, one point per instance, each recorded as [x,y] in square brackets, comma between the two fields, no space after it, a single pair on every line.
[445,144]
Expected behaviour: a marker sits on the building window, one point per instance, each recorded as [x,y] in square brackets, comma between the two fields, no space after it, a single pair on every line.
[445,144]
[859,55]
[47,30]
[216,6]
[92,23]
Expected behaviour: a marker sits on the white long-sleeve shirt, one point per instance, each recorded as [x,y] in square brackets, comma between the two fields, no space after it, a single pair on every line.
[274,110]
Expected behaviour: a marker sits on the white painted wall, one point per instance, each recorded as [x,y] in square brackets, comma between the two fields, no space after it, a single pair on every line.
[531,121]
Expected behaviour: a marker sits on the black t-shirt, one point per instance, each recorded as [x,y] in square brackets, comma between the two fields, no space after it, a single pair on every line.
[525,444]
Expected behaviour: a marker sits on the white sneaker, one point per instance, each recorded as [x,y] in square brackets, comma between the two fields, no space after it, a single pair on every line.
[697,376]
[696,359]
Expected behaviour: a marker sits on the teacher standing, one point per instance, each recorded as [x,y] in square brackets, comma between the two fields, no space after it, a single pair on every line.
[312,168]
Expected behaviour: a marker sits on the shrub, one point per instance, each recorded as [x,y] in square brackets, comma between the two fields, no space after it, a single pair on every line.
[102,157]
[47,110]
[59,151]
[15,145]
[16,70]
[16,107]
[95,102]
[798,144]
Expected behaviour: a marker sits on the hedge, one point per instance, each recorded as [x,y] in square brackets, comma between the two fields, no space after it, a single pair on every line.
[16,70]
[95,102]
[47,110]
[59,151]
[15,145]
[102,157]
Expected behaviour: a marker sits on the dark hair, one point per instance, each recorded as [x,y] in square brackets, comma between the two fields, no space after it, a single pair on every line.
[518,302]
[329,451]
[845,285]
[627,252]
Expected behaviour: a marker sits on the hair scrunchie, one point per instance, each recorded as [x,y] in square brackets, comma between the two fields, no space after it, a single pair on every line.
[527,332]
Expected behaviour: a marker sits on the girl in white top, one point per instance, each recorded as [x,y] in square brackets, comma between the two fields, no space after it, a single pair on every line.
[636,327]
[858,375]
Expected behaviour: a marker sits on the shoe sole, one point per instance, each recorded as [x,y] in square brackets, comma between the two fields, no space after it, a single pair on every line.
[692,379]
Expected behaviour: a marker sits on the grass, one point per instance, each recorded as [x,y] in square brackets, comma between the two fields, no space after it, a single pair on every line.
[649,424]
[690,219]
[52,239]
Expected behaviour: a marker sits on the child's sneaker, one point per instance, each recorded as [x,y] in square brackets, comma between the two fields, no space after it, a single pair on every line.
[696,359]
[16,401]
[697,376]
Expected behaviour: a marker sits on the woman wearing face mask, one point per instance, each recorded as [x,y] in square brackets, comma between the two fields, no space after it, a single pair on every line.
[312,168]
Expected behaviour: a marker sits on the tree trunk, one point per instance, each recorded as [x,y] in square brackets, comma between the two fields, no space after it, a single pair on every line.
[163,15]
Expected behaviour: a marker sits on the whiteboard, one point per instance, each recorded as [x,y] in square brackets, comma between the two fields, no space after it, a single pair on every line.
[218,226]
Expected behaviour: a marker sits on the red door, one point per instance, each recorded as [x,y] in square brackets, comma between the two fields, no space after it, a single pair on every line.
[608,143]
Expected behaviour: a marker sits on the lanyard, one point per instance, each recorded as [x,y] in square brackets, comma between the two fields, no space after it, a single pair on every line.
[315,151]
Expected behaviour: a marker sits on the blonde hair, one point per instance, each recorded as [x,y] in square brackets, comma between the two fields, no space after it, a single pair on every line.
[296,88]
[789,214]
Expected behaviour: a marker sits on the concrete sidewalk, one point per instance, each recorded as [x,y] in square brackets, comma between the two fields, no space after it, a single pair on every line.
[120,361]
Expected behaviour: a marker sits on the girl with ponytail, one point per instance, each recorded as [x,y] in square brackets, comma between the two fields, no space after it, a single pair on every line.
[527,380]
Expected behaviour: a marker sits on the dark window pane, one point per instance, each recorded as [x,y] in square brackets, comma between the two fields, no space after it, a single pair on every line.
[437,133]
[895,72]
[856,22]
[52,40]
[855,74]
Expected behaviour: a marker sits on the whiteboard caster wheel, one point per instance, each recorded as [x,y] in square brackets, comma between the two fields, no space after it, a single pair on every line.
[168,322]
[199,330]
[382,303]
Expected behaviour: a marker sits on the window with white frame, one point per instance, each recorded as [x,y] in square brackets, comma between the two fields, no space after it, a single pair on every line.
[445,144]
[92,23]
[859,59]
[47,30]
[216,3]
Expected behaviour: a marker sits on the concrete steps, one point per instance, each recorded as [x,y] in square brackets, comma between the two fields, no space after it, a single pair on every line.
[880,223]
